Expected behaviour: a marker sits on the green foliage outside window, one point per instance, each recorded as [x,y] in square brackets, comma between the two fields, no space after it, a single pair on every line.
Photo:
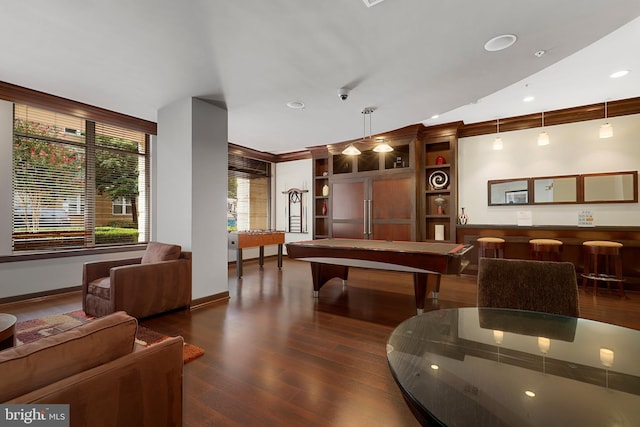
[117,172]
[44,171]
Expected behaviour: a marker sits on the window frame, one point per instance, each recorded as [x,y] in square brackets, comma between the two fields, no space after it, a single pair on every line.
[68,239]
[243,166]
[125,205]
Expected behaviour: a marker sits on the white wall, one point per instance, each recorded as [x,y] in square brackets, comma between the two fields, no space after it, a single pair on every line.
[294,174]
[575,149]
[191,188]
[172,178]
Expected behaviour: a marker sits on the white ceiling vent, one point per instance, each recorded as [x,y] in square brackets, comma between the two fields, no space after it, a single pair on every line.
[370,3]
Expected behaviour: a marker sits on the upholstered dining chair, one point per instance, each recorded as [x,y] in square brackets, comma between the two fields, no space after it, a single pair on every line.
[545,286]
[159,281]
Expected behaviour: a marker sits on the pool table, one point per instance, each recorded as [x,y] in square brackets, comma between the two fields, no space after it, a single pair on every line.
[331,258]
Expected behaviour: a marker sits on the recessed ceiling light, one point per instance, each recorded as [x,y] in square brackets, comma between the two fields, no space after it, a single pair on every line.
[539,53]
[435,116]
[500,42]
[530,393]
[620,73]
[296,105]
[528,98]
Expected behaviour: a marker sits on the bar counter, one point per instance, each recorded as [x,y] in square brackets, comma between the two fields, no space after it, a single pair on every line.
[517,243]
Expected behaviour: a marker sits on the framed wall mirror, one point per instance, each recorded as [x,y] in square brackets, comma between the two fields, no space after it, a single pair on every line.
[509,192]
[616,187]
[609,187]
[555,189]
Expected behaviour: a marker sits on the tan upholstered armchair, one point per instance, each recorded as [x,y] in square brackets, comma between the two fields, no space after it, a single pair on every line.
[159,281]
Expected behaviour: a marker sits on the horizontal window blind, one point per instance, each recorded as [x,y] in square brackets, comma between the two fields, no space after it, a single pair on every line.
[48,173]
[249,194]
[119,138]
[66,174]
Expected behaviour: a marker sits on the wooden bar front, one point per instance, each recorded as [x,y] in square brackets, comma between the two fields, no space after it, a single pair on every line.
[517,244]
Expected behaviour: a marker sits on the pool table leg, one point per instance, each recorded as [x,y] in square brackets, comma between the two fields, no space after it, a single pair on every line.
[322,273]
[420,289]
[434,293]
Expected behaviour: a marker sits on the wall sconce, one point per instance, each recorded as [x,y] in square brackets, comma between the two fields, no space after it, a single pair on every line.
[606,130]
[497,143]
[606,357]
[498,336]
[543,137]
[544,344]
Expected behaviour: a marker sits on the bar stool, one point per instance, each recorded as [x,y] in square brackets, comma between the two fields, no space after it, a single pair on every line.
[493,245]
[598,256]
[541,247]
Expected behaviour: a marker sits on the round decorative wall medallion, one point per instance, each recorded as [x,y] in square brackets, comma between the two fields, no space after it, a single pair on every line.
[439,180]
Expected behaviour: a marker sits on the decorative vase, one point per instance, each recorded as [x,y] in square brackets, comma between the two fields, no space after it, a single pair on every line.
[324,208]
[440,160]
[325,190]
[440,201]
[462,219]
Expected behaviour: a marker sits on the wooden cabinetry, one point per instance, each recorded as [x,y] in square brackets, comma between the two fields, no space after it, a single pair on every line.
[371,195]
[438,184]
[321,202]
[381,208]
[370,161]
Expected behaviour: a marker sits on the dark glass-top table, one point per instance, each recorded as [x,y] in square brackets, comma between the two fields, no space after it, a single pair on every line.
[498,367]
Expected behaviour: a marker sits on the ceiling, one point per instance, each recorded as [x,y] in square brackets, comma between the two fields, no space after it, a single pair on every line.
[410,59]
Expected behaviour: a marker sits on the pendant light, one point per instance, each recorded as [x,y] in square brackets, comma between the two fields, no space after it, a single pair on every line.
[351,150]
[606,130]
[383,147]
[543,137]
[497,143]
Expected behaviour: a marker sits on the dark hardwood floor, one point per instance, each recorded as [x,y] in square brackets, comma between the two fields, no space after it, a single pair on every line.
[275,356]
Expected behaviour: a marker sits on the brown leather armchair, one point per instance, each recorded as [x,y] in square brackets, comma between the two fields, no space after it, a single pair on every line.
[157,282]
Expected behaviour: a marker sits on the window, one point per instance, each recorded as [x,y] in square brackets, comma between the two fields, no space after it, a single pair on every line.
[77,183]
[249,194]
[121,206]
